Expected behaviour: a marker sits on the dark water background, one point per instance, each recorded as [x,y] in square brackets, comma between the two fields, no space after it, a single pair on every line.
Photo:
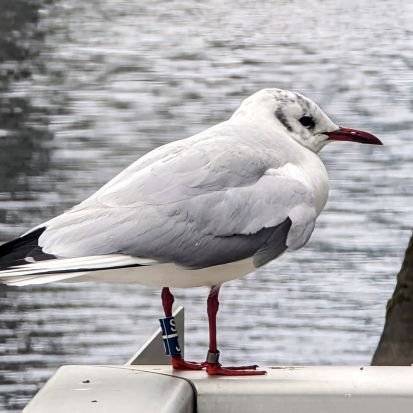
[86,87]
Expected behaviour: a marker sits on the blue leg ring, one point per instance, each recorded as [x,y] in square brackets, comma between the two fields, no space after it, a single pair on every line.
[170,336]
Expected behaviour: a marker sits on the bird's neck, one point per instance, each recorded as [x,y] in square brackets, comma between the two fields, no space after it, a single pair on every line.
[318,178]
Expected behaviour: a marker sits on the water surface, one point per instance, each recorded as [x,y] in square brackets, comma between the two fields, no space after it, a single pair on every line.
[86,87]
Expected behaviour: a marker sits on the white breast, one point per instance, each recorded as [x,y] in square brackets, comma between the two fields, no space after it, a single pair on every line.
[171,275]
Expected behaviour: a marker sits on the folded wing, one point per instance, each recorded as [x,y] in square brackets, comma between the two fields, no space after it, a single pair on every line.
[187,204]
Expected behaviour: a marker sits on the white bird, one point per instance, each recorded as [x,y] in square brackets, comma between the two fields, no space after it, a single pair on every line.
[195,212]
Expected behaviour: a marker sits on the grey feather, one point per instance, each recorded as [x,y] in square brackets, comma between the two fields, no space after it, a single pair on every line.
[275,245]
[189,204]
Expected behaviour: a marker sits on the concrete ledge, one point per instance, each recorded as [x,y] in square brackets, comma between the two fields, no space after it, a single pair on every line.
[110,389]
[126,389]
[309,390]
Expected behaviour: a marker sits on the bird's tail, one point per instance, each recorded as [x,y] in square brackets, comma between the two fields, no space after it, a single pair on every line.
[23,262]
[60,269]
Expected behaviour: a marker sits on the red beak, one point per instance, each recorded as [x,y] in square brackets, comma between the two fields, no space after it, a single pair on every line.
[354,135]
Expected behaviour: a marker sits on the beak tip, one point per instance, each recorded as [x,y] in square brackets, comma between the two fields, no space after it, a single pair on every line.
[374,141]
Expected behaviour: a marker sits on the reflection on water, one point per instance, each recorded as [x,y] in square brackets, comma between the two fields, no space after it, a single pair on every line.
[24,155]
[87,87]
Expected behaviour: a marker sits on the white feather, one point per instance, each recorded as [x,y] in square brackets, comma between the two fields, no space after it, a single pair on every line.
[147,273]
[101,262]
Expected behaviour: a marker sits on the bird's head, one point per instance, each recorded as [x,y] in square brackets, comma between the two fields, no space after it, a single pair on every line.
[300,117]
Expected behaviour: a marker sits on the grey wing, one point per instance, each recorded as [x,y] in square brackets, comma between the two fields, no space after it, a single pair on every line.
[193,205]
[260,220]
[274,245]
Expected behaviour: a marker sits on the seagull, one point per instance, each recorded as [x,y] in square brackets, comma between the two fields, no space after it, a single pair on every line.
[195,212]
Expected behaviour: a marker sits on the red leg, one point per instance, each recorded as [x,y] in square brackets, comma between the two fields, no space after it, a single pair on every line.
[178,362]
[213,367]
[212,310]
[167,301]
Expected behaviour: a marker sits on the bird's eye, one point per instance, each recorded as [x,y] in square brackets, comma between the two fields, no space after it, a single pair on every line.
[307,122]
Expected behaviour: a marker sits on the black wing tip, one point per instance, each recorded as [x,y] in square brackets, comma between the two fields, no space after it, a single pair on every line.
[16,252]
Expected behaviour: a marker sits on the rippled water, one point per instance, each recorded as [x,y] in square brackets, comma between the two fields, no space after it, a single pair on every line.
[86,87]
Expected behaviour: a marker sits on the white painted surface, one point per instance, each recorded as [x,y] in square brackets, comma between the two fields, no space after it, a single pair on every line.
[313,389]
[112,389]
